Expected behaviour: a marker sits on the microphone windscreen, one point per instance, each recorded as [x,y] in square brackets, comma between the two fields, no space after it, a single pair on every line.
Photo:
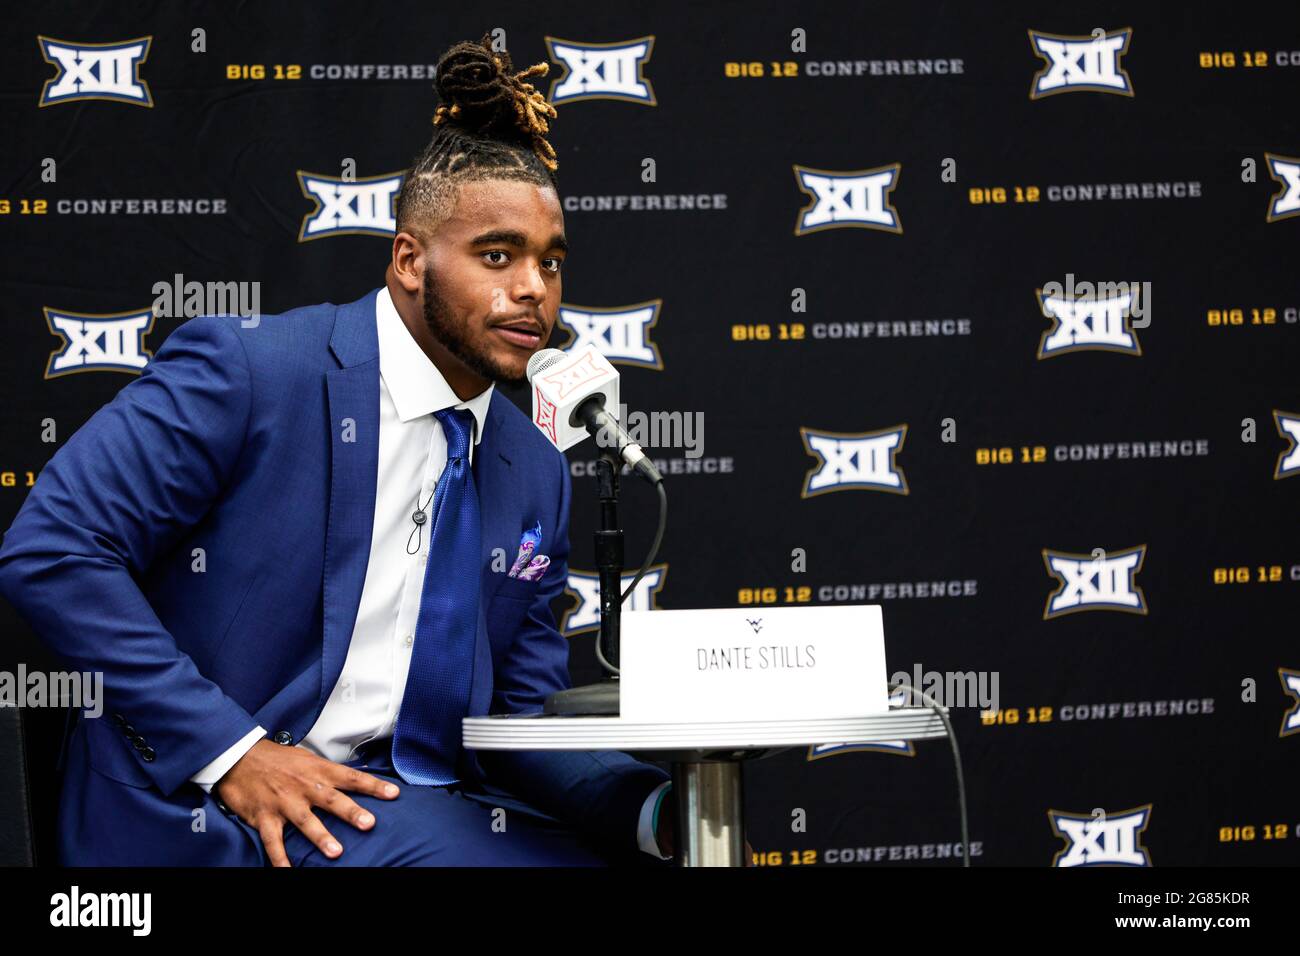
[543,360]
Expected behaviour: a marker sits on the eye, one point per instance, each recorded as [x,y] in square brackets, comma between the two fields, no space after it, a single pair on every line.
[558,262]
[496,252]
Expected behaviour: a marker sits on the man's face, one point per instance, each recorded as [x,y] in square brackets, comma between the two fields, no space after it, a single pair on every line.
[492,281]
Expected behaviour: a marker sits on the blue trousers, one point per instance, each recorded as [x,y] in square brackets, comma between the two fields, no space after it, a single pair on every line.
[450,826]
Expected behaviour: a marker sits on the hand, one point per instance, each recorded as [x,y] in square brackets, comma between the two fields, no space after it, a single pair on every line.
[666,834]
[272,785]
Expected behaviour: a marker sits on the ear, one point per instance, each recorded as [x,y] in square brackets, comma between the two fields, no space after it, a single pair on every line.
[409,262]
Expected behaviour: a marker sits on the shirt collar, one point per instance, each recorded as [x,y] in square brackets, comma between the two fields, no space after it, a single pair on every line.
[414,383]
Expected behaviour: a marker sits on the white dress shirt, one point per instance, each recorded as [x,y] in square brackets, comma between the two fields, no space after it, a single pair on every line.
[412,453]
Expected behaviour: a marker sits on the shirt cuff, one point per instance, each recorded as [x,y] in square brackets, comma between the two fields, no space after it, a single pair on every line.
[207,777]
[645,829]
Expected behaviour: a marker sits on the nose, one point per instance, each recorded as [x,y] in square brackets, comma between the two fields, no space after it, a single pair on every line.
[530,286]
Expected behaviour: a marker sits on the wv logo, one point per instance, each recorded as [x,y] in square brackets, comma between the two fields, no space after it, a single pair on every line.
[585,586]
[857,199]
[1288,461]
[98,343]
[1286,170]
[1080,64]
[902,748]
[622,335]
[95,71]
[1291,687]
[1102,839]
[864,460]
[601,71]
[1087,324]
[362,207]
[1100,582]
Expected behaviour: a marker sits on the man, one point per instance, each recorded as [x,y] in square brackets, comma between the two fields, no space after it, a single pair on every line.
[278,545]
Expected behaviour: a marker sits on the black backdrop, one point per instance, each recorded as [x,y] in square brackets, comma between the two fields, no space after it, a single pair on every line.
[958,89]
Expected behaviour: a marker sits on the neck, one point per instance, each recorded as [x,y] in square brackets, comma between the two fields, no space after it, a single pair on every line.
[464,382]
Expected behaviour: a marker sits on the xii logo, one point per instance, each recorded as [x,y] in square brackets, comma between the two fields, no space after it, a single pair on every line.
[1097,582]
[1081,64]
[1100,838]
[95,71]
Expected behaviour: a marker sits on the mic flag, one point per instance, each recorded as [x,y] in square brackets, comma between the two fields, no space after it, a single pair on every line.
[562,381]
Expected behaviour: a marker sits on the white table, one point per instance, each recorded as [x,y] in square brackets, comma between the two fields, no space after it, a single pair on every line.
[706,758]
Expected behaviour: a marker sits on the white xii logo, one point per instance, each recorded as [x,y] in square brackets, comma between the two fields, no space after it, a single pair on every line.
[1101,839]
[1097,582]
[621,335]
[1081,64]
[602,71]
[95,71]
[854,199]
[361,207]
[1087,323]
[585,586]
[98,342]
[846,461]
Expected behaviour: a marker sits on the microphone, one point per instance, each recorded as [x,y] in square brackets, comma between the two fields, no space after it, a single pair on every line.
[570,393]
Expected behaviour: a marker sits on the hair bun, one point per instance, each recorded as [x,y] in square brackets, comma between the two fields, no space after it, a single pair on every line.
[474,85]
[482,93]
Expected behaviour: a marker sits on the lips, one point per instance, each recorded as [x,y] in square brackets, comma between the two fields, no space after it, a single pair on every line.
[523,333]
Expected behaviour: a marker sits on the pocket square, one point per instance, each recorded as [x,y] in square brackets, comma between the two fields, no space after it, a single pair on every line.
[536,568]
[528,543]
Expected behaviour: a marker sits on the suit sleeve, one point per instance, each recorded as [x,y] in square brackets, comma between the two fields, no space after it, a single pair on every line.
[602,792]
[121,492]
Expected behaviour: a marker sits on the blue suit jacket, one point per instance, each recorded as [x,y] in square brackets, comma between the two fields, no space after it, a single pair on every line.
[259,446]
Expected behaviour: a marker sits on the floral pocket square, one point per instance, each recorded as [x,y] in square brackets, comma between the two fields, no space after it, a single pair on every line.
[527,566]
[536,568]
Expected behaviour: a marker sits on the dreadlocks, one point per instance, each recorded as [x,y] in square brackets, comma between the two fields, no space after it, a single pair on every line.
[492,124]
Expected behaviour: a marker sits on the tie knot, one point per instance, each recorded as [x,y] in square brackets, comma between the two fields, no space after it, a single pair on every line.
[457,425]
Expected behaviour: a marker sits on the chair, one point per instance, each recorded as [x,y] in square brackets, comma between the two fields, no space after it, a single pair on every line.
[31,742]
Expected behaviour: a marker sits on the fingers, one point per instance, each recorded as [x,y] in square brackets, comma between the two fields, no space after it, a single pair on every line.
[309,825]
[350,778]
[342,806]
[272,833]
[305,781]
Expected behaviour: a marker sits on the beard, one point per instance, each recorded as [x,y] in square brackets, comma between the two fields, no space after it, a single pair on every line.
[438,317]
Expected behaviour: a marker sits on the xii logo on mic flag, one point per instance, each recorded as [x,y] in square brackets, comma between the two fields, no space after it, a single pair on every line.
[561,382]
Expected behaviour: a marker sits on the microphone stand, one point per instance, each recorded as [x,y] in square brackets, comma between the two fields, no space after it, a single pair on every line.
[601,698]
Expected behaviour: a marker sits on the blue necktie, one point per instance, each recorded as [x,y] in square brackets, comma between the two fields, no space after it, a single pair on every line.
[427,736]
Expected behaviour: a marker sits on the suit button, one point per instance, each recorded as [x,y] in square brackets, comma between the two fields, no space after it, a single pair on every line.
[128,730]
[283,737]
[147,754]
[137,741]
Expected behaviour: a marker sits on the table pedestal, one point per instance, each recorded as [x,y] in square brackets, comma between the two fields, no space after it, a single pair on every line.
[706,756]
[710,813]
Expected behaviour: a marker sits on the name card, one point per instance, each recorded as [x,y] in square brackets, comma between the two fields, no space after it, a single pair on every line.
[753,663]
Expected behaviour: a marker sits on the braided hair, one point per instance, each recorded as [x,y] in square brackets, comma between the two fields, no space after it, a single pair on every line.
[492,124]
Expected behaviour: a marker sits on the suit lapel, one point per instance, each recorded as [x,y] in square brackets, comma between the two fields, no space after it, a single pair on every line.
[353,392]
[498,529]
[492,467]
